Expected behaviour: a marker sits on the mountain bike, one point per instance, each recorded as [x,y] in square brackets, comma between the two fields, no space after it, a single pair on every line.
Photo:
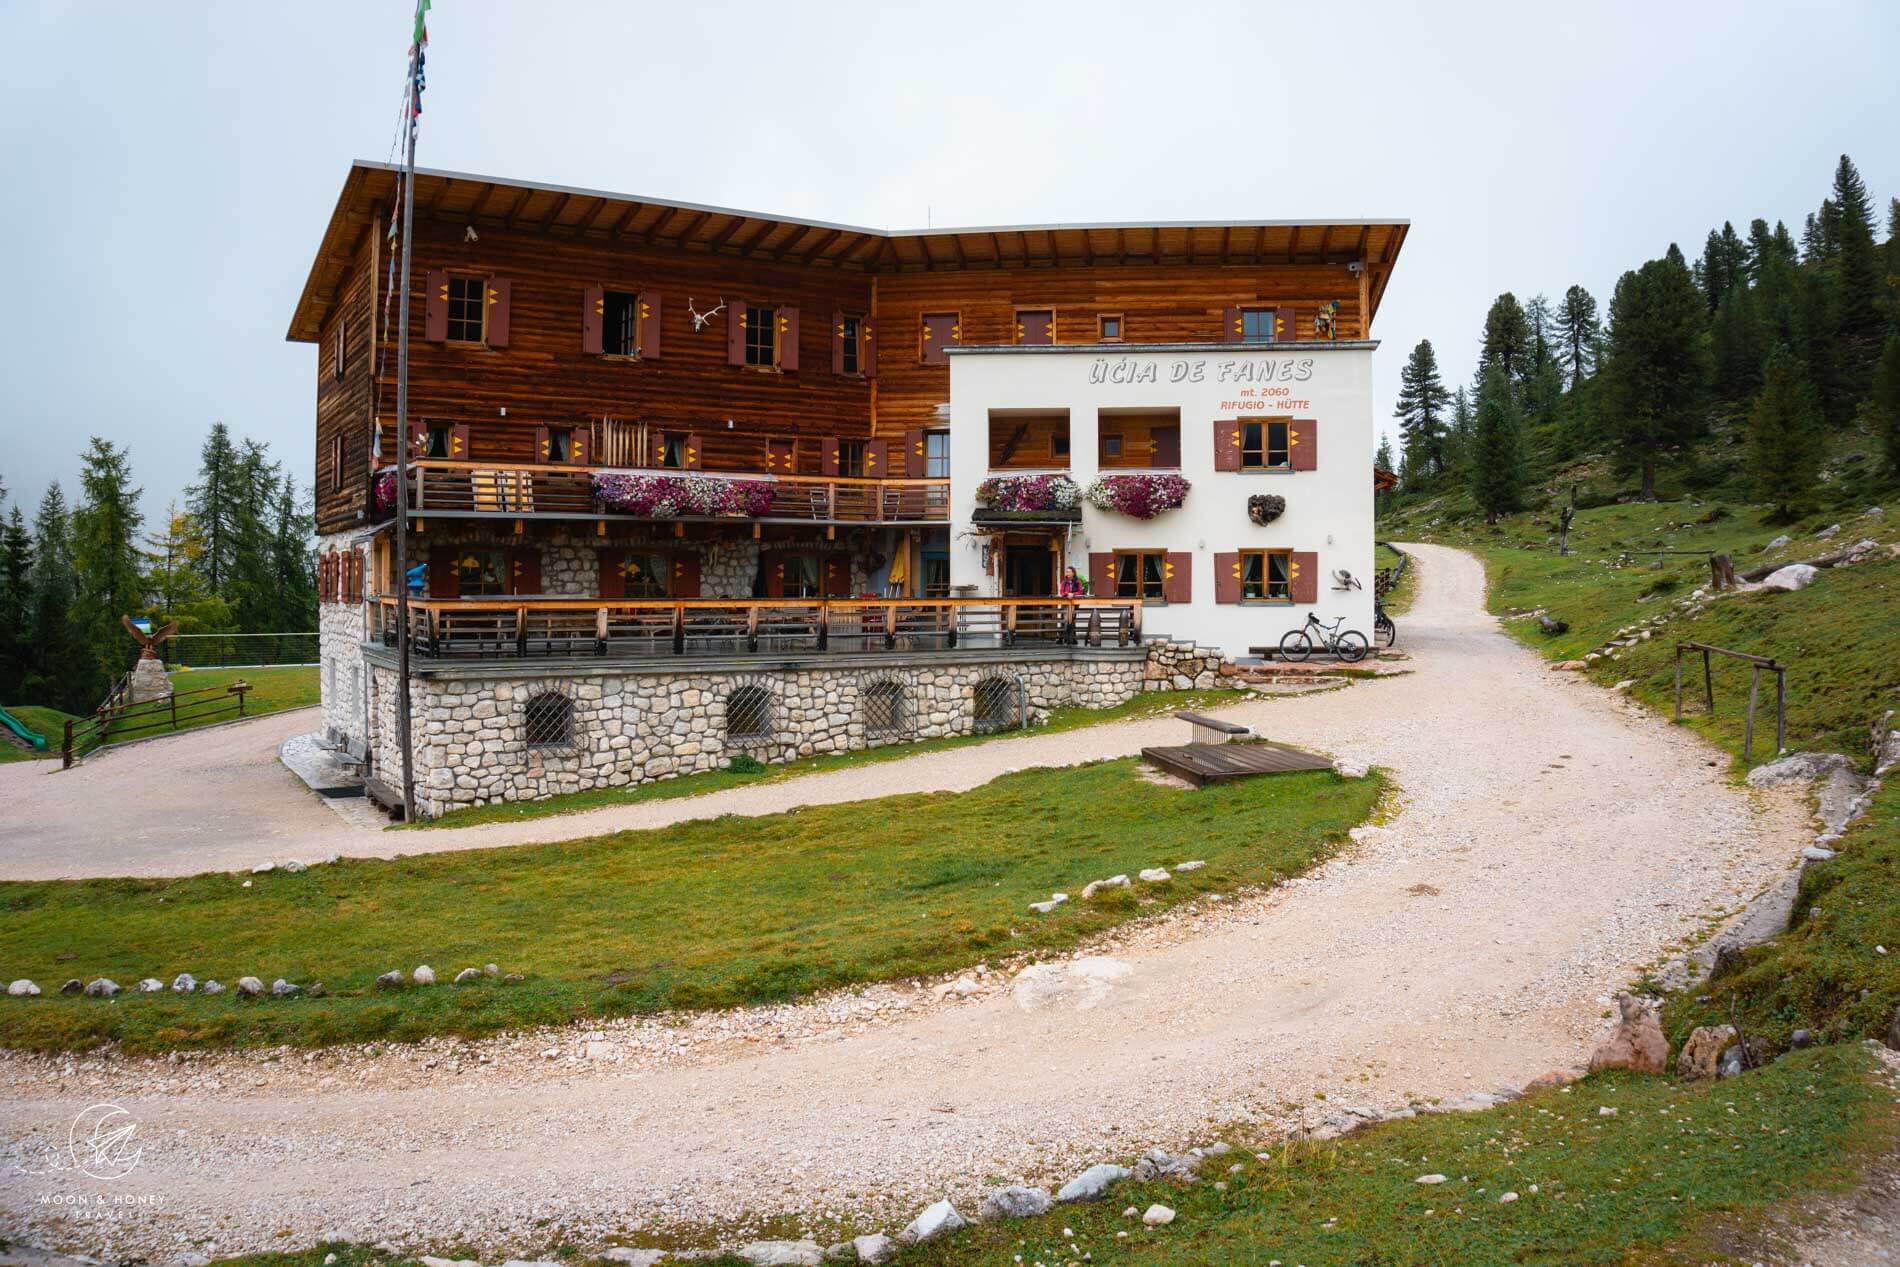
[1383,630]
[1349,645]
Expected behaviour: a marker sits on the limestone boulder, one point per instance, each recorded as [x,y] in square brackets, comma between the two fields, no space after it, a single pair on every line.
[939,1218]
[1636,1043]
[1092,1184]
[1701,1054]
[1796,576]
[1014,1201]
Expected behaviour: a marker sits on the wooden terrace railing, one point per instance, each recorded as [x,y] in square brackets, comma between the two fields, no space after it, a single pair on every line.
[461,488]
[513,627]
[117,720]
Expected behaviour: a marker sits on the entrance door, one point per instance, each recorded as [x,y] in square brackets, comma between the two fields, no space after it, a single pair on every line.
[1029,572]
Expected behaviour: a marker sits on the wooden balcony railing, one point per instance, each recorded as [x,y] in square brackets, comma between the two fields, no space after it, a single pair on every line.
[511,627]
[478,488]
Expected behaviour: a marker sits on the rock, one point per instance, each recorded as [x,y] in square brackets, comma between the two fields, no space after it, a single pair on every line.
[390,980]
[782,1253]
[1154,875]
[1093,887]
[1155,1164]
[73,986]
[1637,1042]
[184,983]
[294,867]
[427,1261]
[425,975]
[1194,865]
[1507,1198]
[1014,1202]
[262,867]
[1220,1147]
[1570,666]
[1606,1111]
[282,988]
[1430,1180]
[1702,1052]
[102,988]
[628,1256]
[149,985]
[212,987]
[250,986]
[467,975]
[1079,984]
[1157,1216]
[937,1219]
[491,970]
[600,1049]
[1779,542]
[1349,770]
[190,1259]
[1815,853]
[1626,684]
[1796,576]
[1092,1184]
[1050,905]
[1731,1062]
[1801,1038]
[1798,767]
[22,989]
[1827,532]
[875,1248]
[316,990]
[515,976]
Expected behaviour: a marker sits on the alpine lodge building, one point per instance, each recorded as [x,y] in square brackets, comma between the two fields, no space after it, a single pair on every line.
[686,483]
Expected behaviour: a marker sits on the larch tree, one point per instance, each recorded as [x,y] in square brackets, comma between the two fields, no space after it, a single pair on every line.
[1784,436]
[1655,379]
[1577,333]
[1421,412]
[1497,447]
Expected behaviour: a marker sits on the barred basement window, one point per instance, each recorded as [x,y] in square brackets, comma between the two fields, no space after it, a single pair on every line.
[886,711]
[749,715]
[996,704]
[548,721]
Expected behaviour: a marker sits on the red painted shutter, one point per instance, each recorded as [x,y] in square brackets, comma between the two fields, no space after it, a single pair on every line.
[323,578]
[684,583]
[774,563]
[1303,437]
[877,459]
[1285,327]
[914,463]
[542,449]
[497,300]
[1036,328]
[692,453]
[418,440]
[867,347]
[458,442]
[1101,574]
[524,569]
[593,320]
[788,338]
[435,308]
[1227,444]
[577,446]
[1303,582]
[613,583]
[445,579]
[1227,577]
[837,341]
[1165,446]
[648,331]
[781,457]
[735,332]
[356,577]
[1177,577]
[828,453]
[1230,324]
[837,576]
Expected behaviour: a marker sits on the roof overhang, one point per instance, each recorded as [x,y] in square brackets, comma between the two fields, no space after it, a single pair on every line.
[564,211]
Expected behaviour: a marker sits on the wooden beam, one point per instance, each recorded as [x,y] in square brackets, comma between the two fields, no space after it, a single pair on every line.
[1325,243]
[659,230]
[1259,242]
[547,221]
[857,247]
[1293,244]
[680,238]
[720,238]
[626,218]
[514,212]
[996,247]
[765,231]
[1226,242]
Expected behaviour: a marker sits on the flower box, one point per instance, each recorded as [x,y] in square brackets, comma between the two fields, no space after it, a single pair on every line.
[1139,495]
[682,496]
[1027,493]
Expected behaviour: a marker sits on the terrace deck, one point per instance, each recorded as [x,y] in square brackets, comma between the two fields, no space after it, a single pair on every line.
[1202,763]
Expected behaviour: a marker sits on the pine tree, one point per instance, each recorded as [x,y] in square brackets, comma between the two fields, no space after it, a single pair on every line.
[212,502]
[1884,404]
[251,585]
[1542,324]
[1421,413]
[16,603]
[1784,436]
[1382,461]
[1507,340]
[1657,371]
[1577,333]
[1816,340]
[292,523]
[1458,432]
[105,536]
[1497,456]
[1739,344]
[1859,270]
[1813,250]
[50,672]
[1761,247]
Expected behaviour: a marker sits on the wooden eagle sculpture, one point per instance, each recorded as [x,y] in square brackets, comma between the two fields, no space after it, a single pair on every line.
[148,642]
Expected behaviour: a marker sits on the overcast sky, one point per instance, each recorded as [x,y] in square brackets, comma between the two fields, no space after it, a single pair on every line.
[170,167]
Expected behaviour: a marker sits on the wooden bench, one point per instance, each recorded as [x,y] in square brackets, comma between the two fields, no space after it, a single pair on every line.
[385,796]
[1212,729]
[354,753]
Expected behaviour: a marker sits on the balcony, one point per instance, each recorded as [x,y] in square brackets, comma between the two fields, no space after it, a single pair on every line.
[501,628]
[450,489]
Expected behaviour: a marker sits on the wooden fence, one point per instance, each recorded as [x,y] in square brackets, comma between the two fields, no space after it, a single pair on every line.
[1758,663]
[116,720]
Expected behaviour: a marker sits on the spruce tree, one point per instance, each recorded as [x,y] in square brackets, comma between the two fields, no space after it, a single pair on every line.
[251,585]
[1507,340]
[16,603]
[212,501]
[105,545]
[1739,344]
[1858,269]
[1884,404]
[1577,332]
[1497,447]
[1657,372]
[1458,432]
[1784,437]
[50,668]
[1421,412]
[292,523]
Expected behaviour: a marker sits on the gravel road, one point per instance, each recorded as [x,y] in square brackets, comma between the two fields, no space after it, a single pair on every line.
[1553,840]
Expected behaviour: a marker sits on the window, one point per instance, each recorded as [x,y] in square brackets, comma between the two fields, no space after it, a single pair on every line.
[481,573]
[937,455]
[1108,327]
[620,326]
[548,721]
[1139,573]
[1259,325]
[560,446]
[885,714]
[850,345]
[336,463]
[761,336]
[341,350]
[1059,446]
[1111,446]
[466,310]
[851,458]
[1266,446]
[673,449]
[749,715]
[936,574]
[802,576]
[940,330]
[437,445]
[1035,326]
[995,704]
[645,575]
[1266,576]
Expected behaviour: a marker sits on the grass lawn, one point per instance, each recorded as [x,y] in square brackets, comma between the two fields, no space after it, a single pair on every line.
[702,914]
[1682,1173]
[272,689]
[46,721]
[1150,704]
[1399,601]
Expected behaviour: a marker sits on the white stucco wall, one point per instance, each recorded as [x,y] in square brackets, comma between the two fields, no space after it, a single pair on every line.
[1329,509]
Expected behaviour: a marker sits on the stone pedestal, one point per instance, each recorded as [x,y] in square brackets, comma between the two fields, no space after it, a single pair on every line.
[149,682]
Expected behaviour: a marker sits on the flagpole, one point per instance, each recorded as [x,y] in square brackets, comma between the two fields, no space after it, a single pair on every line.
[402,429]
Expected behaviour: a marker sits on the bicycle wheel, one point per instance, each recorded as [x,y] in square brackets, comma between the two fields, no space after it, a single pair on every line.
[1384,630]
[1295,645]
[1352,646]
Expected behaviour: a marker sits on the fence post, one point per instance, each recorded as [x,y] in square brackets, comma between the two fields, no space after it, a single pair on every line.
[66,749]
[173,697]
[1748,731]
[1781,710]
[1708,682]
[1678,681]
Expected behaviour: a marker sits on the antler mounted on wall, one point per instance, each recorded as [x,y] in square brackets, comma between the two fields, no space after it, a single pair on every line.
[701,318]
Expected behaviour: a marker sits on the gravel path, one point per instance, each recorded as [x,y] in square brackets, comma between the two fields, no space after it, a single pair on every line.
[1553,840]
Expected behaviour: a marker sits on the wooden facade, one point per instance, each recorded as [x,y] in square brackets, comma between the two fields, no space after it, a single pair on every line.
[519,366]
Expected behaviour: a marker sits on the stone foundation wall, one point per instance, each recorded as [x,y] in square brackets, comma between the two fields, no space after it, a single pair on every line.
[1185,666]
[341,628]
[471,742]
